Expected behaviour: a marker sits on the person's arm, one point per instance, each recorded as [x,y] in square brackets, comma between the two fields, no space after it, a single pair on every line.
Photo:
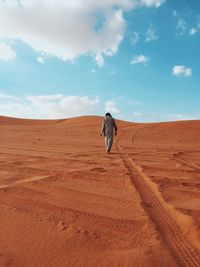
[115,127]
[103,127]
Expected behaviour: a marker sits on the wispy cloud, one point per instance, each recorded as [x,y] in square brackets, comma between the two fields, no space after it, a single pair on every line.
[174,13]
[41,60]
[181,71]
[179,117]
[99,60]
[137,114]
[159,117]
[6,52]
[140,59]
[135,38]
[8,97]
[181,26]
[151,34]
[187,27]
[93,71]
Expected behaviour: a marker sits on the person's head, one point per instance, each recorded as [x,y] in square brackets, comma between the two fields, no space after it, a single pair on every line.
[108,114]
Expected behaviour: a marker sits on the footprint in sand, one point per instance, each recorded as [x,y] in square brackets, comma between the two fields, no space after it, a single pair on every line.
[62,226]
[81,230]
[176,154]
[69,229]
[96,235]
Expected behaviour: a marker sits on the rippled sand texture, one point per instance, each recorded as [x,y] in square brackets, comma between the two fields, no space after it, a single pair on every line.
[65,202]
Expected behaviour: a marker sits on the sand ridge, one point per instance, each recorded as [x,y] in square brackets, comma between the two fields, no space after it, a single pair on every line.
[64,202]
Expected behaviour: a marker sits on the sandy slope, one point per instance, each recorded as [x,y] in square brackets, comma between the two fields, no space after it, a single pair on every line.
[64,202]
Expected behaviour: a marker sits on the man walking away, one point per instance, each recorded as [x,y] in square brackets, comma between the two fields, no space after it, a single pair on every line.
[108,129]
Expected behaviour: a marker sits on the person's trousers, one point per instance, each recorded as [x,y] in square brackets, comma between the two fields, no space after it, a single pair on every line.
[108,142]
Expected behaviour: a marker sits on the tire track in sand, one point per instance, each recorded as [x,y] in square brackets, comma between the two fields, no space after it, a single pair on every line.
[161,213]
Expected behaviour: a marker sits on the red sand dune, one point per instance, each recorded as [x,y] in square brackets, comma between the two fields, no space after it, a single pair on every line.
[65,202]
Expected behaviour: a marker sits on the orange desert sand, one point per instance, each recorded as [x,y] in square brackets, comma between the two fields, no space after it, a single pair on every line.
[65,202]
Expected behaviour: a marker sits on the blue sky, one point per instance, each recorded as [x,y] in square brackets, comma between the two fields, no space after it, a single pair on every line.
[138,59]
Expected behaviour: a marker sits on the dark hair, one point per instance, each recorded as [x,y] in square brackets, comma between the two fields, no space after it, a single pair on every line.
[108,114]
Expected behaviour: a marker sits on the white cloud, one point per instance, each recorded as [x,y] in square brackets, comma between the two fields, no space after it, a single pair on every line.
[47,106]
[181,71]
[41,60]
[67,29]
[140,59]
[135,37]
[193,31]
[150,3]
[110,106]
[151,34]
[57,106]
[6,52]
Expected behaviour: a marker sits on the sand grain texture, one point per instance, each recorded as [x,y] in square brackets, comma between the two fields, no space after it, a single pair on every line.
[64,202]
